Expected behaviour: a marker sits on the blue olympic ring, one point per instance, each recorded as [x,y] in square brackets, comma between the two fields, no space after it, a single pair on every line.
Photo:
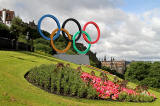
[39,26]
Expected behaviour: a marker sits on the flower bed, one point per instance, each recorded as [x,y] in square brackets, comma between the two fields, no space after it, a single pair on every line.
[109,90]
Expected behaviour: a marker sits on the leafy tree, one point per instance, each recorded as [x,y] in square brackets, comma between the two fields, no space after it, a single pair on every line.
[151,81]
[154,75]
[155,70]
[17,28]
[4,30]
[137,71]
[144,73]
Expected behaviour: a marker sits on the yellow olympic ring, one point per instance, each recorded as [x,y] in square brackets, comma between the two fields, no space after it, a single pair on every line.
[52,43]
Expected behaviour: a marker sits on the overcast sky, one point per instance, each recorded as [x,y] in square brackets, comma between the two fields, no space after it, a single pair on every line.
[130,29]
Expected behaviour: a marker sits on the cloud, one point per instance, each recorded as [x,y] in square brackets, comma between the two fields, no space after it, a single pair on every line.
[123,35]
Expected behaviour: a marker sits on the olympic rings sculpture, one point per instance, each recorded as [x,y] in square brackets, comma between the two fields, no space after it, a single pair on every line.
[71,40]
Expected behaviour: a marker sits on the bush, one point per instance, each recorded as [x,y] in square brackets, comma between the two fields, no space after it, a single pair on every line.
[60,79]
[122,96]
[43,48]
[135,98]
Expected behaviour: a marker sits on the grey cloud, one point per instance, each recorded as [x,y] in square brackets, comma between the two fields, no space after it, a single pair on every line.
[123,34]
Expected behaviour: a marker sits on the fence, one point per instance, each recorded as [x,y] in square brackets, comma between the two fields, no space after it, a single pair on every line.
[6,44]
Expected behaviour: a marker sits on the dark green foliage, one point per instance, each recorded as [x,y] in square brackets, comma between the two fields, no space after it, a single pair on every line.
[151,81]
[137,71]
[144,73]
[42,47]
[4,31]
[42,41]
[17,28]
[62,80]
[40,76]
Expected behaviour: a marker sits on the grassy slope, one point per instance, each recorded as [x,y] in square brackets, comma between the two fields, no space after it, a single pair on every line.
[15,90]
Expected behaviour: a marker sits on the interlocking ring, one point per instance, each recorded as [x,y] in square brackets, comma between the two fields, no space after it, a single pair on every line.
[79,27]
[55,35]
[74,43]
[84,28]
[69,44]
[39,26]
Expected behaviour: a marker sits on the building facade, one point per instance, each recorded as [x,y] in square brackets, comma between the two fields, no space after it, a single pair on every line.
[6,16]
[118,66]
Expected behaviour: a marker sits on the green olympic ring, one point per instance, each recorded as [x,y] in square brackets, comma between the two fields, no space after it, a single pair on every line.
[74,43]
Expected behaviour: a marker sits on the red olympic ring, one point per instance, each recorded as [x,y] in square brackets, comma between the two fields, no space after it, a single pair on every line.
[84,36]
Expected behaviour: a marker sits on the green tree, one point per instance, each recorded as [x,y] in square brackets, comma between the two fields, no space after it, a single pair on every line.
[137,71]
[4,30]
[153,78]
[17,28]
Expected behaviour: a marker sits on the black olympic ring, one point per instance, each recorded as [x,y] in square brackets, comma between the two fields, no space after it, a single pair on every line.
[79,27]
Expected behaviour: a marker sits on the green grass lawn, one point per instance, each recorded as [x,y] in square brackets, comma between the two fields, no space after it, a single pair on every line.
[16,91]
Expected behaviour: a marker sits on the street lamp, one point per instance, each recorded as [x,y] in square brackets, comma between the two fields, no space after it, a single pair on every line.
[27,38]
[15,37]
[11,38]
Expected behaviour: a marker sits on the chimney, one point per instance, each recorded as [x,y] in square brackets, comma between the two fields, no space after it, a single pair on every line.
[4,16]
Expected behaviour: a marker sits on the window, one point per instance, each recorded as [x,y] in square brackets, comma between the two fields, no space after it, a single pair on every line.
[120,68]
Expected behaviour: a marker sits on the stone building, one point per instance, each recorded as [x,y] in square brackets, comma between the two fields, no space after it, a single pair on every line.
[6,16]
[117,65]
[32,24]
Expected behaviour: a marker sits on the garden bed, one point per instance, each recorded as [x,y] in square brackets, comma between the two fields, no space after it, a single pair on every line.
[63,80]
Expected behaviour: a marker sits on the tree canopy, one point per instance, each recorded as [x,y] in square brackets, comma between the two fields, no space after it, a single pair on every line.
[145,73]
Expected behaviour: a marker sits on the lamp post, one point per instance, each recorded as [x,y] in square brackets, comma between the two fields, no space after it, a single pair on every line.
[11,39]
[27,38]
[15,37]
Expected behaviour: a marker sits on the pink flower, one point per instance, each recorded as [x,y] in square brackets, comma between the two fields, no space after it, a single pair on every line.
[107,89]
